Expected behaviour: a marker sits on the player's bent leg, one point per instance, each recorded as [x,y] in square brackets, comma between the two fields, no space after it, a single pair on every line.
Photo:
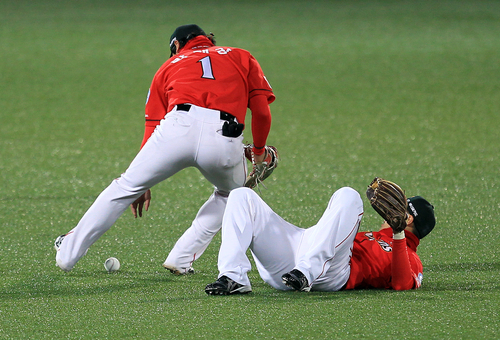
[237,233]
[250,222]
[191,245]
[170,149]
[103,213]
[225,176]
[165,153]
[326,250]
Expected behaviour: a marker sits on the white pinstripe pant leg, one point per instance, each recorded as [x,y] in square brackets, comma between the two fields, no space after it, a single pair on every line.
[182,139]
[250,223]
[326,250]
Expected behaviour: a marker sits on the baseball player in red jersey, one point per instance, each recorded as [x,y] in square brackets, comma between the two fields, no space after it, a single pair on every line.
[329,256]
[195,114]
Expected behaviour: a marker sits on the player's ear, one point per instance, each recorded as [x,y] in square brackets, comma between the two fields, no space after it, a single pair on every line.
[409,219]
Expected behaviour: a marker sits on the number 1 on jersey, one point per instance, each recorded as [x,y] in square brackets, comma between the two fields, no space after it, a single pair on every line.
[206,66]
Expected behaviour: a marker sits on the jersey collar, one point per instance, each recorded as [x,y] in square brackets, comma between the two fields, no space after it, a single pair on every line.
[199,42]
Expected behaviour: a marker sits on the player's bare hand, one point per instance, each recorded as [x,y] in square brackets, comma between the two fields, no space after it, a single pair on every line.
[260,158]
[141,203]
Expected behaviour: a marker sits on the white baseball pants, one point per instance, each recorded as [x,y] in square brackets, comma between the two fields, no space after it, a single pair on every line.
[183,139]
[321,252]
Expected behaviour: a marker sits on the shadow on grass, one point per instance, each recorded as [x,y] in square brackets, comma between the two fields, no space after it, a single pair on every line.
[464,267]
[479,276]
[440,278]
[80,283]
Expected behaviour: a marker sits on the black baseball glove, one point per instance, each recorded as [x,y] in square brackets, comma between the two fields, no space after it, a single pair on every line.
[389,201]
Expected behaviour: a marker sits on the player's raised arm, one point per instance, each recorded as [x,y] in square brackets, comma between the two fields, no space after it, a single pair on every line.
[403,277]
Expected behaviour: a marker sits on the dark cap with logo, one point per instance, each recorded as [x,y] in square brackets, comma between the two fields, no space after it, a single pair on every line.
[184,33]
[423,215]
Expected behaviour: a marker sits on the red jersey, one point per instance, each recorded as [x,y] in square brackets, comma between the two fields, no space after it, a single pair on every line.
[379,261]
[213,77]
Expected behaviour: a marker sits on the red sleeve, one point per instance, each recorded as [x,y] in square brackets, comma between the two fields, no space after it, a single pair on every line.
[261,122]
[156,104]
[402,274]
[148,130]
[257,82]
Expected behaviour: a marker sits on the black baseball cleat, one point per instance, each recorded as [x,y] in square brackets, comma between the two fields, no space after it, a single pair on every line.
[296,280]
[226,286]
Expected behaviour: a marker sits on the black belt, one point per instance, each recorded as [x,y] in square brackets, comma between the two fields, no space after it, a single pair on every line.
[223,115]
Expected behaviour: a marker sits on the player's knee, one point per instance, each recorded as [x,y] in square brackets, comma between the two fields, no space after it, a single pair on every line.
[241,193]
[348,196]
[241,197]
[123,188]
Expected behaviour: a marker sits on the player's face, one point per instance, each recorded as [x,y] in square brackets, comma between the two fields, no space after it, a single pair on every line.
[384,225]
[409,221]
[174,48]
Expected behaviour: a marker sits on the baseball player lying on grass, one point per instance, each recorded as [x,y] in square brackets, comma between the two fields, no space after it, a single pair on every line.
[195,114]
[330,256]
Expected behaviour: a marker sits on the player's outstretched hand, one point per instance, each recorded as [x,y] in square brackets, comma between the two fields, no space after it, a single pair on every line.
[140,203]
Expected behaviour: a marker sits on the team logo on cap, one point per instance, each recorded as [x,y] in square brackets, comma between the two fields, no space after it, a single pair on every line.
[413,210]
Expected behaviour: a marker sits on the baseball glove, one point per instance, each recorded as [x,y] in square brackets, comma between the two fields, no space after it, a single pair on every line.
[389,201]
[261,171]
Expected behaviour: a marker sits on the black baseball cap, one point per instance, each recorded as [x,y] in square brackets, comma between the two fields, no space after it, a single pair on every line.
[423,215]
[184,33]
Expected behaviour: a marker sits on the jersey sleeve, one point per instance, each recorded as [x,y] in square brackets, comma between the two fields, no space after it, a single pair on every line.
[156,105]
[261,122]
[257,82]
[148,131]
[260,95]
[403,277]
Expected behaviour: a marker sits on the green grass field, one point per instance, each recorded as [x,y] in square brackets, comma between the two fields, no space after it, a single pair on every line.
[405,90]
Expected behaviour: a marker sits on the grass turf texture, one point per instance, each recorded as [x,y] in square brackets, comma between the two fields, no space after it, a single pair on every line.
[405,90]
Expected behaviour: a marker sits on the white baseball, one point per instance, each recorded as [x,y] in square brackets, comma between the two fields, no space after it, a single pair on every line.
[112,264]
